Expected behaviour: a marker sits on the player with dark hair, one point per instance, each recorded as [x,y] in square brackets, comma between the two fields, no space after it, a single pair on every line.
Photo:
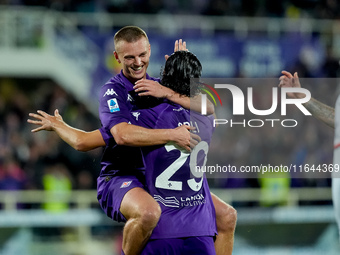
[179,69]
[125,197]
[171,176]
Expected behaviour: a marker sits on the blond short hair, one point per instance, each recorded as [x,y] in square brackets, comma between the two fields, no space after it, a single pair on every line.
[129,34]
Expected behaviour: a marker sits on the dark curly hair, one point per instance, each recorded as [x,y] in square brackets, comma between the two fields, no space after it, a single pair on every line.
[179,71]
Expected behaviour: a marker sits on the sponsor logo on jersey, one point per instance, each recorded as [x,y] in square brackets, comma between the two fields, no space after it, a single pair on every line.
[125,184]
[136,114]
[168,201]
[130,99]
[113,105]
[178,110]
[110,92]
[193,200]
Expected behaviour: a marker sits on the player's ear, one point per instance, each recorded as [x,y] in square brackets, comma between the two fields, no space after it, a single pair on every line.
[149,49]
[116,56]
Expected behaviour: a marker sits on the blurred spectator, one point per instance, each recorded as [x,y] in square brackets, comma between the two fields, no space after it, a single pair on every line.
[119,6]
[328,9]
[217,8]
[12,176]
[309,63]
[274,188]
[274,8]
[61,5]
[249,8]
[85,181]
[58,185]
[32,152]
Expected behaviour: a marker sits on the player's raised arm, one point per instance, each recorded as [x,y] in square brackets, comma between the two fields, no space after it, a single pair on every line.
[77,138]
[179,45]
[319,110]
[125,134]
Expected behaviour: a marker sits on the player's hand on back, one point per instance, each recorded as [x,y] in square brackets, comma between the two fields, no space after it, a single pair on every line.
[146,87]
[194,140]
[44,121]
[183,137]
[179,45]
[287,80]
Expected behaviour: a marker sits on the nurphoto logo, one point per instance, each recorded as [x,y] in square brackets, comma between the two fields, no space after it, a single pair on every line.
[240,101]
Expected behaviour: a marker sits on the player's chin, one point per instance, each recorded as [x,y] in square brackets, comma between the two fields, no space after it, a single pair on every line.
[139,74]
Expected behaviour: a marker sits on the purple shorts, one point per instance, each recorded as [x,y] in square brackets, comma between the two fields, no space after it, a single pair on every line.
[201,245]
[112,189]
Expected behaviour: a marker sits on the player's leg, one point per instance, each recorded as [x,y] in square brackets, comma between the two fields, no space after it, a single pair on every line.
[142,213]
[336,199]
[124,199]
[226,217]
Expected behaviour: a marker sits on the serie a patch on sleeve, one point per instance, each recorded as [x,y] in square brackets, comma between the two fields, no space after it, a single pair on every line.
[113,105]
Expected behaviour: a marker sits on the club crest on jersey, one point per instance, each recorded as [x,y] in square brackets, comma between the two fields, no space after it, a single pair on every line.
[125,184]
[110,92]
[113,105]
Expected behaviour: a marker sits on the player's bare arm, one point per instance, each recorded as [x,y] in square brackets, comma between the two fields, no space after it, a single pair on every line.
[319,110]
[132,135]
[85,141]
[146,87]
[78,139]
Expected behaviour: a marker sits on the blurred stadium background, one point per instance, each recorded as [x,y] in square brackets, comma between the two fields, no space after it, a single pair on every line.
[57,53]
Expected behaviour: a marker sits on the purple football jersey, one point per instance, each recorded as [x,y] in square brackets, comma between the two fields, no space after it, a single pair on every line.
[116,101]
[183,193]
